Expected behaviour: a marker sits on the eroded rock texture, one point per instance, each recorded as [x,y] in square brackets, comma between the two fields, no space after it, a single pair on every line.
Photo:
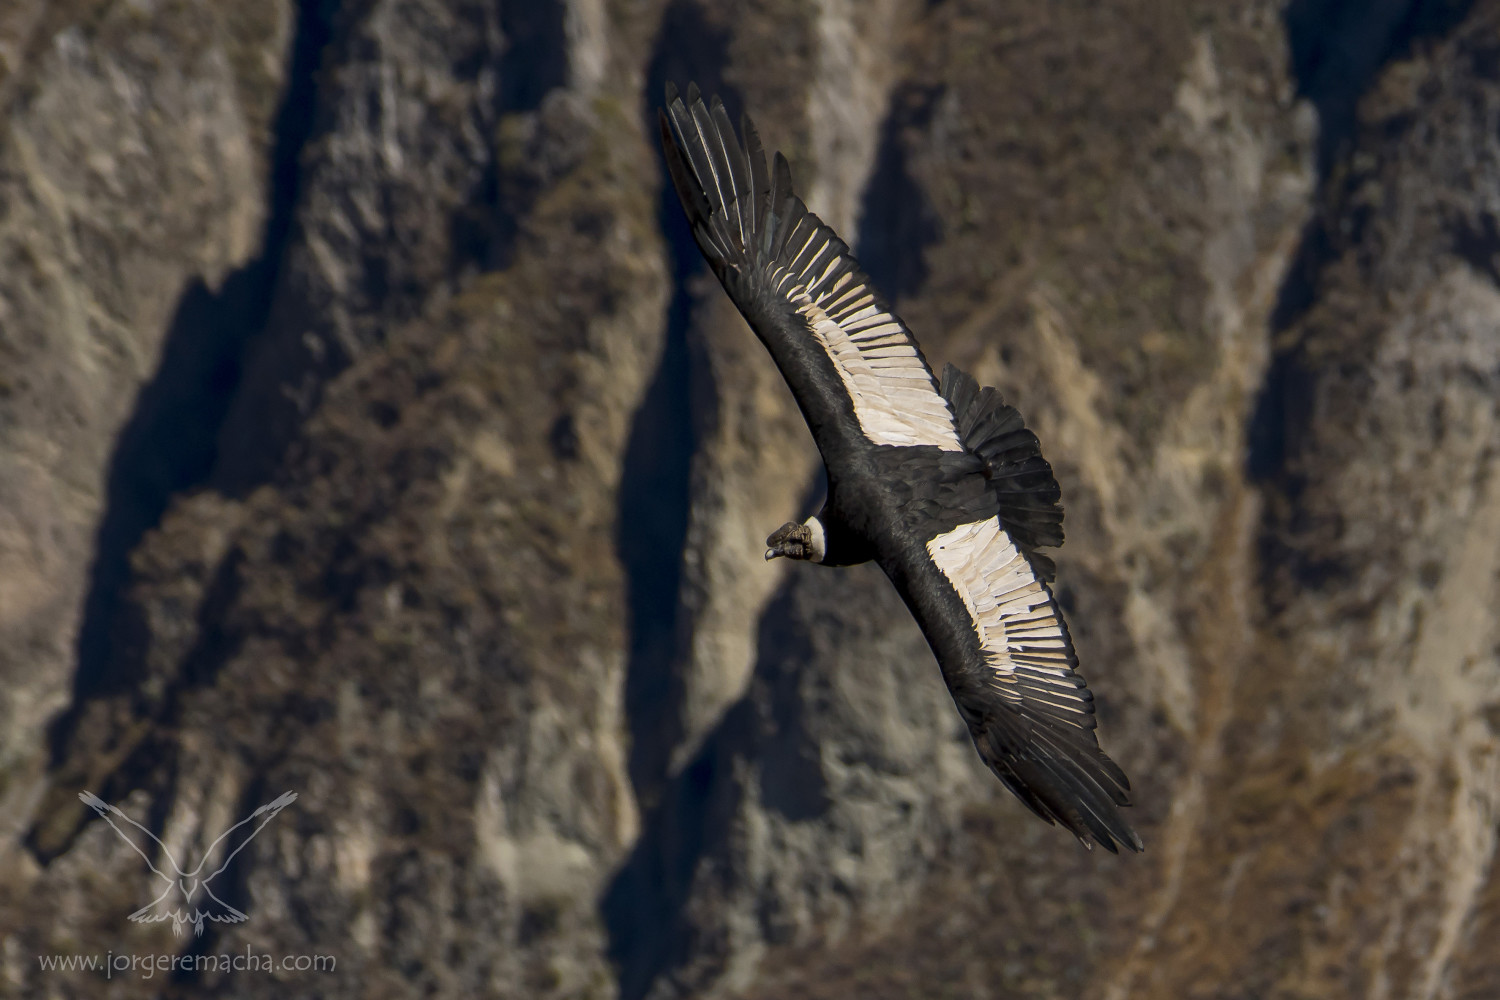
[370,429]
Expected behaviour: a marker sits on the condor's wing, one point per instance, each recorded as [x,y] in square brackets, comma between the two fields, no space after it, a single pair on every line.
[851,363]
[1006,655]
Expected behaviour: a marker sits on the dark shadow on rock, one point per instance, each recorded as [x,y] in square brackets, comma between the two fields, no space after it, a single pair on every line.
[1478,242]
[643,907]
[789,761]
[1338,50]
[149,761]
[897,220]
[655,485]
[532,66]
[535,57]
[1339,47]
[640,908]
[691,824]
[166,448]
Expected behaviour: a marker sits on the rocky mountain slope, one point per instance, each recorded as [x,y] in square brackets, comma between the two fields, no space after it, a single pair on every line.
[370,429]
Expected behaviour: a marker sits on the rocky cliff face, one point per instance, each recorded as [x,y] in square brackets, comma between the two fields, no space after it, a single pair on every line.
[369,429]
[136,162]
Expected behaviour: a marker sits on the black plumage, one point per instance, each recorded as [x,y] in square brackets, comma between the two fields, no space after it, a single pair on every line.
[1029,497]
[944,487]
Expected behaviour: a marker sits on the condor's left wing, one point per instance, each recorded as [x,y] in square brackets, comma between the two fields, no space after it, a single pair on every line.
[1008,659]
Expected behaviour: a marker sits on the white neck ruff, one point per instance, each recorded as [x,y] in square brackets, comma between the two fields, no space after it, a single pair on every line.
[819,539]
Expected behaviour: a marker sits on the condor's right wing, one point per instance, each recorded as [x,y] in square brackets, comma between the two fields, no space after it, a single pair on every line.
[839,346]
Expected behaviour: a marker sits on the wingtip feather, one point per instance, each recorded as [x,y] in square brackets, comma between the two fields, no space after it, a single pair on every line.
[1065,784]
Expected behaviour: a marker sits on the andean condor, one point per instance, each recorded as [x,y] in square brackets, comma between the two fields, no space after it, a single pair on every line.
[943,486]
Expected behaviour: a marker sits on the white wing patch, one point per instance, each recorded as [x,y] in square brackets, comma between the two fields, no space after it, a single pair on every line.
[895,398]
[1020,629]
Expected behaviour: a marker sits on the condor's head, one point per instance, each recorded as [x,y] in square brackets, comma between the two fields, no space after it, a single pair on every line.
[798,541]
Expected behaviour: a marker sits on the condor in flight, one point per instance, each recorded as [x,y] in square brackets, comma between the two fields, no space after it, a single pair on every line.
[944,487]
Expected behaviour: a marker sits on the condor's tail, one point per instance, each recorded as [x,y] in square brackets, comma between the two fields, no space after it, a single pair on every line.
[1029,497]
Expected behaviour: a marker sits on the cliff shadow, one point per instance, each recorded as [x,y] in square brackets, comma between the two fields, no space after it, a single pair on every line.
[656,481]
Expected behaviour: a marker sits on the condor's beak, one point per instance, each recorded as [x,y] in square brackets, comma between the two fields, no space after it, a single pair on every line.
[771,554]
